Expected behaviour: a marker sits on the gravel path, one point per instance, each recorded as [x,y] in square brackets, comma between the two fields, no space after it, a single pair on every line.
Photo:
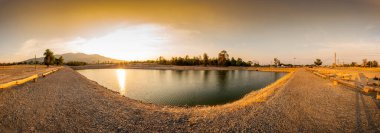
[67,102]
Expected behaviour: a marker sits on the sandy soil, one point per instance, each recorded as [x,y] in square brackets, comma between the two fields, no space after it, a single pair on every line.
[66,101]
[11,73]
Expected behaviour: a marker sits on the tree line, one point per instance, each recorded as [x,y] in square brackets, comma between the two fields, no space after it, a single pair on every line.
[222,60]
[367,63]
[49,59]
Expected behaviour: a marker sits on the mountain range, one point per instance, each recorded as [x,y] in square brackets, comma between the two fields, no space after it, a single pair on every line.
[88,58]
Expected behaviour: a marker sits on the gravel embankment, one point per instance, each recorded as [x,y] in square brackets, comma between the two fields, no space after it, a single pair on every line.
[67,102]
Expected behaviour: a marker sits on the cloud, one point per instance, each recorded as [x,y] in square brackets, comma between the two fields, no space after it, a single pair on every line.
[32,47]
[130,42]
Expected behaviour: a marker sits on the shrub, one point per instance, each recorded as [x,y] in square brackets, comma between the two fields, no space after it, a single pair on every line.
[76,63]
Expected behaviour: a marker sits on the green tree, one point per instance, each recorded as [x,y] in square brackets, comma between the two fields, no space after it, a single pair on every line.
[318,62]
[59,61]
[205,59]
[161,60]
[256,64]
[187,60]
[372,64]
[365,62]
[354,64]
[233,61]
[222,58]
[277,62]
[49,57]
[249,63]
[239,62]
[375,63]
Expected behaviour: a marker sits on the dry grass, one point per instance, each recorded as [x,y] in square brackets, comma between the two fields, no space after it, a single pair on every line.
[354,71]
[11,73]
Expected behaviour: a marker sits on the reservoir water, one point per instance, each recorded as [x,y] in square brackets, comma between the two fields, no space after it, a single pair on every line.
[182,87]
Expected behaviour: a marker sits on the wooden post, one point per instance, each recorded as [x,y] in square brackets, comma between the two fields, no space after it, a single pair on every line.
[35,62]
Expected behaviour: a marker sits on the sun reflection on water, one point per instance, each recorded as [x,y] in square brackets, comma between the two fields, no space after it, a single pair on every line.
[121,74]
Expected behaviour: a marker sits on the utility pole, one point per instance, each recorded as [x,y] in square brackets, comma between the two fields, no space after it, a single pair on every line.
[294,61]
[35,62]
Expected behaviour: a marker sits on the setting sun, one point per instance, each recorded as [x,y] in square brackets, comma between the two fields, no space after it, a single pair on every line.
[139,42]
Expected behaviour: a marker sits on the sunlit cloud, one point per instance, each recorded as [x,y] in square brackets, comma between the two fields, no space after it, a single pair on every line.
[130,43]
[36,47]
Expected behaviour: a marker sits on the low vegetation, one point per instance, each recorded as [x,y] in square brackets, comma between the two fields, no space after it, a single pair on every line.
[76,63]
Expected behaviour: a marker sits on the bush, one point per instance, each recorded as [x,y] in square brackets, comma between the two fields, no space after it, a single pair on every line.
[76,63]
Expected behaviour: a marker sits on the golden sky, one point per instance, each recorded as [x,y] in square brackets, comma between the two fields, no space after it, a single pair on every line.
[145,29]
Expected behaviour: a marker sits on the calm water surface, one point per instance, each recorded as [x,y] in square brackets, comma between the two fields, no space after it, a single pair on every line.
[182,87]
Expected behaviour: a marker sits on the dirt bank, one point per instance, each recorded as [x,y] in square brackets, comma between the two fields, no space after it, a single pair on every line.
[67,102]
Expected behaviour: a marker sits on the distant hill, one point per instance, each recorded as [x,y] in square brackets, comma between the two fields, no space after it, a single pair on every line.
[91,59]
